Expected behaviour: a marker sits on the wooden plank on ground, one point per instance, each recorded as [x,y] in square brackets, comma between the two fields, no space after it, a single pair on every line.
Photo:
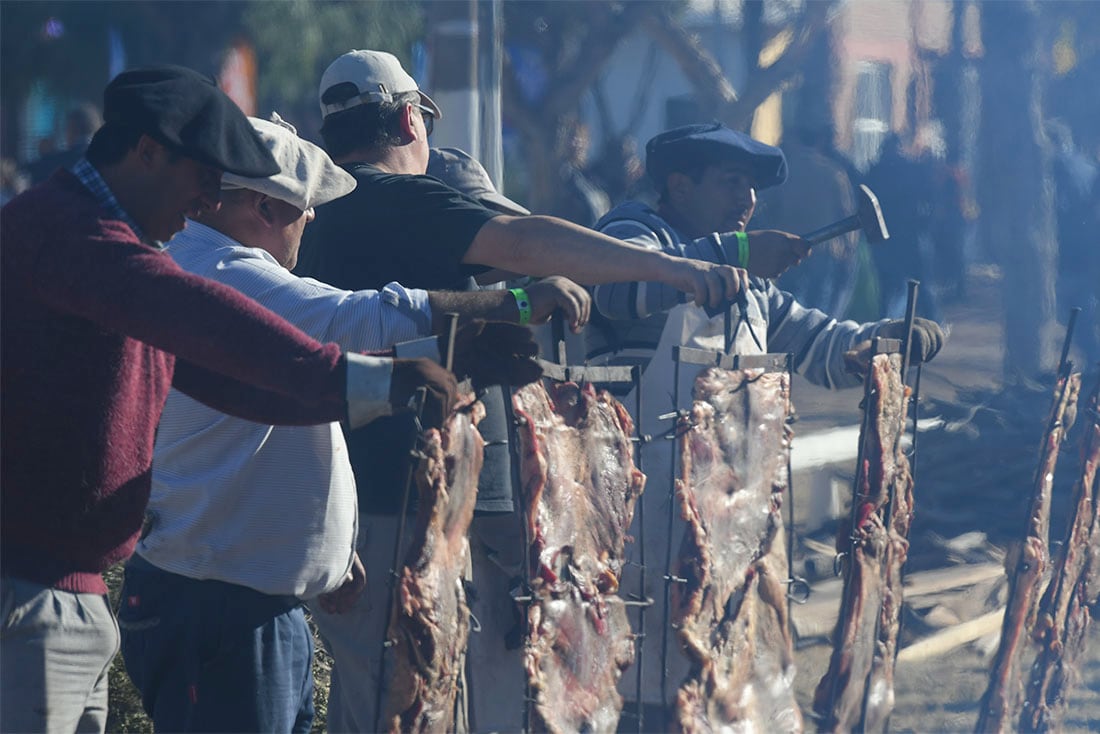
[948,639]
[817,617]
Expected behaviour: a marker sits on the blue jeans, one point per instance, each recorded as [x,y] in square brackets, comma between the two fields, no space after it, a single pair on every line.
[213,656]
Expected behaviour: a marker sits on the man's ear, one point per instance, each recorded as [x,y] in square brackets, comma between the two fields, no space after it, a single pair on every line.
[148,150]
[408,128]
[261,205]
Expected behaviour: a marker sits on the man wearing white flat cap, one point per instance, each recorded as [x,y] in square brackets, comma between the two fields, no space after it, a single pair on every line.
[247,520]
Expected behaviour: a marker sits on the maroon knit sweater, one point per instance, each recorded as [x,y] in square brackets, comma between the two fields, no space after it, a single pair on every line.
[90,319]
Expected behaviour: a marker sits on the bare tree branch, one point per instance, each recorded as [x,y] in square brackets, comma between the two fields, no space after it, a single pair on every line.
[716,94]
[698,65]
[763,82]
[574,80]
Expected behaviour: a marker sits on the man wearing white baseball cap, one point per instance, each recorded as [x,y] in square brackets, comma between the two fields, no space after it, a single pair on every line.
[248,520]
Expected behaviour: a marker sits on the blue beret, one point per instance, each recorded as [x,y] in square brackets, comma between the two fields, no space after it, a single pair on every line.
[185,111]
[681,148]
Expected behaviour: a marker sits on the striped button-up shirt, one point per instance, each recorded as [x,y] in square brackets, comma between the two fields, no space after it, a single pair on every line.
[269,507]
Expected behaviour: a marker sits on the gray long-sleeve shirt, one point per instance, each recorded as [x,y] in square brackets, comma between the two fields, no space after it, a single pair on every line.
[634,315]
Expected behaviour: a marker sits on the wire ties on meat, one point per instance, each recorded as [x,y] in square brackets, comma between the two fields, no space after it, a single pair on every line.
[838,563]
[501,442]
[675,579]
[475,623]
[388,643]
[636,602]
[798,589]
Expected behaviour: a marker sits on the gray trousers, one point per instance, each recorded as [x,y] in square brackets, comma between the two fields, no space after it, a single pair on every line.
[56,649]
[497,678]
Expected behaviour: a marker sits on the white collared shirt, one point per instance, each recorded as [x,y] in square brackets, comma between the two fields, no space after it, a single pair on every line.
[268,507]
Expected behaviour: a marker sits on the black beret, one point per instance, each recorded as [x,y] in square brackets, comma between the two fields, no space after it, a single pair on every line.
[185,111]
[680,148]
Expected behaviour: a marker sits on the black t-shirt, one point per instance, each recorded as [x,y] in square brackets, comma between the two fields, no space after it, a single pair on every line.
[414,230]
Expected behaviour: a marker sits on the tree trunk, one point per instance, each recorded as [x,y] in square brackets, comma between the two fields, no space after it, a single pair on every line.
[1017,192]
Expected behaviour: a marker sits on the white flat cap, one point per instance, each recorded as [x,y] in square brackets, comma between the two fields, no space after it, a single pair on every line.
[307,177]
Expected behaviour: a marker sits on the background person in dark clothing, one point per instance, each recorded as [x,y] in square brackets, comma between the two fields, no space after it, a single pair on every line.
[906,190]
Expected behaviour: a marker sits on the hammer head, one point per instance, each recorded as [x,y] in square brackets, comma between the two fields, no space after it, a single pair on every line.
[869,212]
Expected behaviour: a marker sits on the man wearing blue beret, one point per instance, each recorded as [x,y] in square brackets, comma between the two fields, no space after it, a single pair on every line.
[707,176]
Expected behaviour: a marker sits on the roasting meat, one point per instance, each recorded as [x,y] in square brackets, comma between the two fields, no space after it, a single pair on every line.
[580,485]
[578,472]
[857,691]
[430,621]
[1026,566]
[1063,618]
[730,607]
[576,653]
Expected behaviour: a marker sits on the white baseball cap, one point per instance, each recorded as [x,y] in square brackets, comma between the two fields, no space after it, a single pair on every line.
[377,76]
[307,177]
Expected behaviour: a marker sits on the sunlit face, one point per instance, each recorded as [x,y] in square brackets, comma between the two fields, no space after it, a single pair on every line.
[174,188]
[723,200]
[289,222]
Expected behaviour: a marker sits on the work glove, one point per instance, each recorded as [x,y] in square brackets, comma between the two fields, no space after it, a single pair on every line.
[441,389]
[495,353]
[928,337]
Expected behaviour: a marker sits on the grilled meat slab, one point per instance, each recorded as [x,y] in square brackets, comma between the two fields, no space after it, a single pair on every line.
[580,485]
[730,608]
[430,622]
[857,691]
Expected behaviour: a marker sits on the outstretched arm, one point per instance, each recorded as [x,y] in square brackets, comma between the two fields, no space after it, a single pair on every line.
[770,253]
[540,245]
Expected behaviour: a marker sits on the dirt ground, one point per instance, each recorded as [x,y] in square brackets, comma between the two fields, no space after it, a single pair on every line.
[959,493]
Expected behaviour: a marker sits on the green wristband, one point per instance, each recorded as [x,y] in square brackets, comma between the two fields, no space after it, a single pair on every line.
[742,249]
[523,303]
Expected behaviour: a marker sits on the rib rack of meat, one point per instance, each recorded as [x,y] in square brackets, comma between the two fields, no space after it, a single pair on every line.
[729,603]
[1027,568]
[857,691]
[429,623]
[580,485]
[1063,621]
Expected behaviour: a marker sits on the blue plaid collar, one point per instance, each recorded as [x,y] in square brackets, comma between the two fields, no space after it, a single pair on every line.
[86,173]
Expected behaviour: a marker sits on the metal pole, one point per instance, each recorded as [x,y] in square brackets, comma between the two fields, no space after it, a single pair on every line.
[418,403]
[636,373]
[668,541]
[453,34]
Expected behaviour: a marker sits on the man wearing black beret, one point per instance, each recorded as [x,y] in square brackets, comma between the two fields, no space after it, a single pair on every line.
[708,176]
[97,324]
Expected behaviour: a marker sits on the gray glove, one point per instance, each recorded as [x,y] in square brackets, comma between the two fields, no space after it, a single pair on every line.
[928,337]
